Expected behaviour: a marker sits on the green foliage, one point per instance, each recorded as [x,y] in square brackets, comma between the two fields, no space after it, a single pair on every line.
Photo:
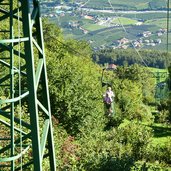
[136,91]
[163,117]
[66,149]
[85,139]
[117,148]
[165,111]
[160,153]
[143,165]
[99,150]
[129,100]
[151,58]
[75,89]
[75,93]
[137,135]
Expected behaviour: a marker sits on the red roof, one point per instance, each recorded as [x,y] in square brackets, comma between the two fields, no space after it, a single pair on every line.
[112,66]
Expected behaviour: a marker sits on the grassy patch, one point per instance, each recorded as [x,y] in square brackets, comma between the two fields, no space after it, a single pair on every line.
[157,69]
[161,134]
[92,27]
[142,5]
[124,21]
[158,22]
[161,141]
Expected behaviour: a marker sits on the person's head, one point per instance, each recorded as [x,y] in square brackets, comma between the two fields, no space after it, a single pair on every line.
[109,88]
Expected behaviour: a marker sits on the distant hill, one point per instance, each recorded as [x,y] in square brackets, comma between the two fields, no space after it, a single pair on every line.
[104,24]
[126,5]
[121,5]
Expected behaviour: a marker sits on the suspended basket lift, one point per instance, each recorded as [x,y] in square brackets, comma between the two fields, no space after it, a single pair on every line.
[163,83]
[108,106]
[162,87]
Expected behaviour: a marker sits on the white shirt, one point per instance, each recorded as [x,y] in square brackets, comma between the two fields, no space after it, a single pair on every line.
[111,93]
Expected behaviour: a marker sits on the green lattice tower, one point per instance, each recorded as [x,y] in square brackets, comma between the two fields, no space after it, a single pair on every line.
[26,139]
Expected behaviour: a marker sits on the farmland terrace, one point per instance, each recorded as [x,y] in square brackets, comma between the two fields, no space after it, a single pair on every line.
[105,23]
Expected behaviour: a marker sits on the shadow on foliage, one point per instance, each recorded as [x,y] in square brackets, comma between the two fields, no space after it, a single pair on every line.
[160,131]
[112,122]
[117,164]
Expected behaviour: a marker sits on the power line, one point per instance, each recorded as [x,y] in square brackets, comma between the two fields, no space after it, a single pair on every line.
[168,10]
[72,49]
[84,3]
[126,32]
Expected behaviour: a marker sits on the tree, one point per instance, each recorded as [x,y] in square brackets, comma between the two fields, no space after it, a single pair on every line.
[75,89]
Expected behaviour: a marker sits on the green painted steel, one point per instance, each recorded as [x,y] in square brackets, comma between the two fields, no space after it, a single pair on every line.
[162,88]
[26,136]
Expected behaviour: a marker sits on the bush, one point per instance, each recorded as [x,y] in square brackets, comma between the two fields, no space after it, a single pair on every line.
[147,166]
[161,153]
[137,135]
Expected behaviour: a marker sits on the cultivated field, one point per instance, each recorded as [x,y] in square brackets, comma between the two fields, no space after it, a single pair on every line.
[108,24]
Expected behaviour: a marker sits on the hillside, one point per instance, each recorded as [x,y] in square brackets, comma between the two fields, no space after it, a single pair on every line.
[85,137]
[112,24]
[117,4]
[124,5]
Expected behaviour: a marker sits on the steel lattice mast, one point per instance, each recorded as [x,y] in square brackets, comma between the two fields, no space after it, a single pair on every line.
[26,138]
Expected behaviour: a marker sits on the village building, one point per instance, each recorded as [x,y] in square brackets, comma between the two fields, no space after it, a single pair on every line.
[146,33]
[123,41]
[112,67]
[89,17]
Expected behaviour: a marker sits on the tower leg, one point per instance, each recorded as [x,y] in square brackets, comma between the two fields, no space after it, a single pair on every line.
[22,54]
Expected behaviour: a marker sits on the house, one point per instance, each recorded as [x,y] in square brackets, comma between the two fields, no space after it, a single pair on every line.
[137,44]
[158,41]
[111,67]
[163,30]
[88,17]
[159,34]
[146,33]
[74,24]
[123,41]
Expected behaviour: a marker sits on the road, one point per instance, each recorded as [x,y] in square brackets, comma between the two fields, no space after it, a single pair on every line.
[123,12]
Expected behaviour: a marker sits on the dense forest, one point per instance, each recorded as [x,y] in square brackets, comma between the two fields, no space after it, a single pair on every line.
[87,139]
[150,58]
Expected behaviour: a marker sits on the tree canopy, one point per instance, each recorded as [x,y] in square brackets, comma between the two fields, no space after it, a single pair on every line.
[150,58]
